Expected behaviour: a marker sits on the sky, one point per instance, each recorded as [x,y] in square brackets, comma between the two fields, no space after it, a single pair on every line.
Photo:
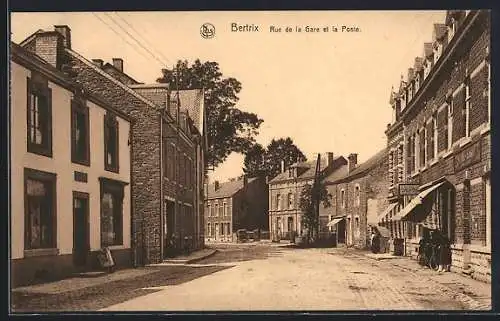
[328,91]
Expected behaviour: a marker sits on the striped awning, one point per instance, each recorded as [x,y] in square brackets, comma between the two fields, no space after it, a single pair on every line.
[335,221]
[404,214]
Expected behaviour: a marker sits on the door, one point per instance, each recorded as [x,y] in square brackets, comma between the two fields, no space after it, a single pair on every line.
[168,229]
[81,242]
[341,232]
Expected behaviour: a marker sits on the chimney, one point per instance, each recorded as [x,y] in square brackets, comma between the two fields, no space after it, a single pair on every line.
[47,45]
[118,64]
[65,31]
[329,159]
[282,166]
[216,185]
[352,161]
[98,62]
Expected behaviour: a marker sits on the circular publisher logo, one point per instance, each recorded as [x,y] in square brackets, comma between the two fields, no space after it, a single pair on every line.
[207,30]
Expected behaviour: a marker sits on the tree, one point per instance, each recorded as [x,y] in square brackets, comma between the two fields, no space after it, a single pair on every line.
[267,161]
[229,129]
[309,197]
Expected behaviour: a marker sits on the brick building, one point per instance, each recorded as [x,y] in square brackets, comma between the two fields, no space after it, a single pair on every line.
[70,173]
[359,194]
[439,142]
[285,215]
[237,204]
[151,121]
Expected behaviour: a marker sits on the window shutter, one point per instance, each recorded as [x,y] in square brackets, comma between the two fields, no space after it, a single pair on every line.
[459,115]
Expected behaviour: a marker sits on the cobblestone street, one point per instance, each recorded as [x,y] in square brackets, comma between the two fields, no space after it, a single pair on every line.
[280,278]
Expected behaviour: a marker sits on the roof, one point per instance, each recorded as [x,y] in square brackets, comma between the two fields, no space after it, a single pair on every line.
[364,167]
[308,174]
[226,189]
[108,66]
[192,100]
[341,172]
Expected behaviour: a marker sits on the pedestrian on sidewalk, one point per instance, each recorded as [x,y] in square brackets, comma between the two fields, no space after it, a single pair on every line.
[444,254]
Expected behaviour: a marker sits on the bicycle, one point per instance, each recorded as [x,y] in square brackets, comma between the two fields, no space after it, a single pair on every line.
[428,255]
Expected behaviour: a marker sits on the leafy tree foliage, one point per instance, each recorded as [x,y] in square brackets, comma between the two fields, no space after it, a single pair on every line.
[229,129]
[310,198]
[267,161]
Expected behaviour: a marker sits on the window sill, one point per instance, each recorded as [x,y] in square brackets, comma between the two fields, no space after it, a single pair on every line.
[113,170]
[81,162]
[464,141]
[486,129]
[34,149]
[41,252]
[114,247]
[448,153]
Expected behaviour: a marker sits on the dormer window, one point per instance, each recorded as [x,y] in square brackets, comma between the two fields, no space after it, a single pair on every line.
[417,82]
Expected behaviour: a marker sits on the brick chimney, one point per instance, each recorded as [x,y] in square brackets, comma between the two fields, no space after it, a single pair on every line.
[98,62]
[118,64]
[329,159]
[216,185]
[65,31]
[352,161]
[48,45]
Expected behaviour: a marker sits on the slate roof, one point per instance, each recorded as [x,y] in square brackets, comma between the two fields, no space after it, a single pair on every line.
[192,100]
[362,168]
[108,66]
[227,189]
[308,174]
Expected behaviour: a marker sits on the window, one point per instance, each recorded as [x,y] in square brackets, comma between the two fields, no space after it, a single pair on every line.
[417,150]
[111,212]
[222,228]
[450,123]
[357,195]
[342,198]
[225,209]
[467,108]
[209,210]
[221,209]
[278,202]
[111,143]
[39,118]
[434,140]
[216,209]
[451,29]
[209,229]
[423,146]
[80,133]
[356,223]
[290,201]
[40,209]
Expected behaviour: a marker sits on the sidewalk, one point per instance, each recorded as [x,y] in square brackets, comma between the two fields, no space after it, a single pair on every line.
[190,258]
[478,293]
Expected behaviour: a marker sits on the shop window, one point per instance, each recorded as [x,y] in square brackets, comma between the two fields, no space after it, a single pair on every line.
[39,118]
[111,138]
[40,209]
[111,212]
[80,133]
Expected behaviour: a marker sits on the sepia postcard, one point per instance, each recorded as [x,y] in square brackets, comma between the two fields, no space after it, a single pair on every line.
[182,161]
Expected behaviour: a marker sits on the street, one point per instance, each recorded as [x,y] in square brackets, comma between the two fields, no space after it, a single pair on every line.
[263,277]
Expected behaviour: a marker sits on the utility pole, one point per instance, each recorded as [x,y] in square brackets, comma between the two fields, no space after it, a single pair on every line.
[316,192]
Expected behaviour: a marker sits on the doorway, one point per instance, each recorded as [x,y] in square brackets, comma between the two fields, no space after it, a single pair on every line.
[81,246]
[168,229]
[341,232]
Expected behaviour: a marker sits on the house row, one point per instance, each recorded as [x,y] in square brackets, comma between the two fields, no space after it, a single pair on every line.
[439,143]
[239,203]
[98,160]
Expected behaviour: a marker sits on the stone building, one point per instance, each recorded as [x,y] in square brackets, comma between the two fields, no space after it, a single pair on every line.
[151,121]
[359,194]
[237,204]
[440,146]
[70,173]
[285,215]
